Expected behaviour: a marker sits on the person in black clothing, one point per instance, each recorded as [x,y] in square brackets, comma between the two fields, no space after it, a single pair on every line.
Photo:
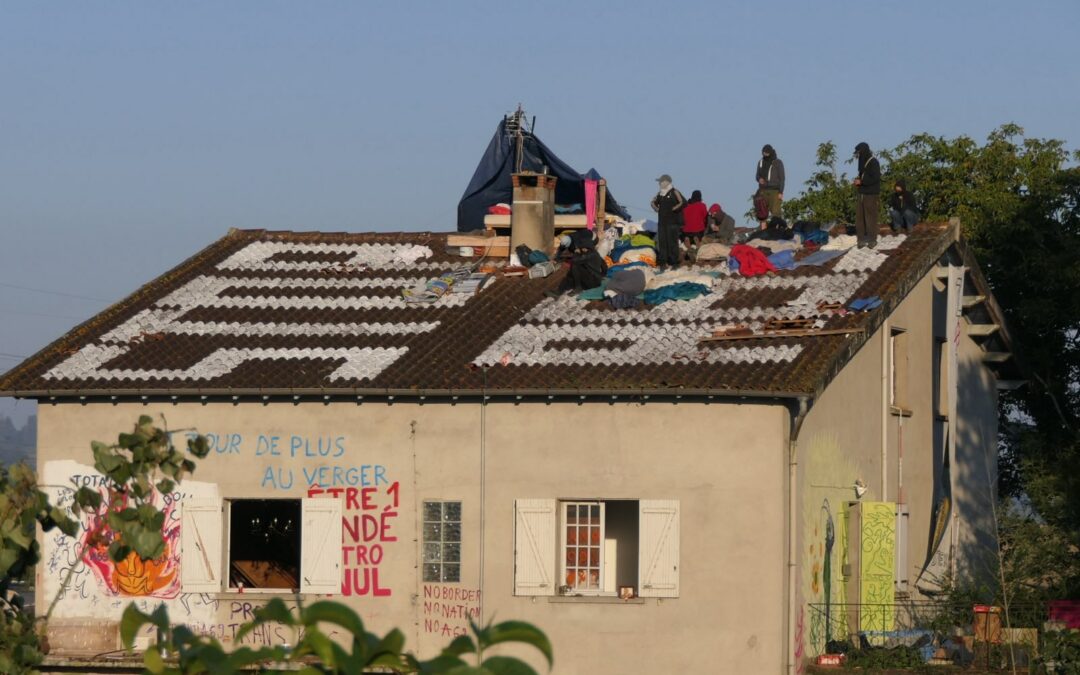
[770,179]
[868,201]
[587,268]
[902,208]
[668,204]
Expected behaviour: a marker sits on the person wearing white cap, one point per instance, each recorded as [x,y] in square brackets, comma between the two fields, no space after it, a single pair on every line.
[668,204]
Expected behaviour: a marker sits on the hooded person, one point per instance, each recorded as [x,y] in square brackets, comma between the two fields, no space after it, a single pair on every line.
[694,216]
[721,224]
[587,268]
[770,180]
[668,204]
[868,197]
[902,208]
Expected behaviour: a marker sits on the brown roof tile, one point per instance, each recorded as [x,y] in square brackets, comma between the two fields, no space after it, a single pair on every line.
[261,311]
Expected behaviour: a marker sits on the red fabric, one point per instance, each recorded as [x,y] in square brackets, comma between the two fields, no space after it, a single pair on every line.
[715,208]
[752,262]
[694,217]
[499,210]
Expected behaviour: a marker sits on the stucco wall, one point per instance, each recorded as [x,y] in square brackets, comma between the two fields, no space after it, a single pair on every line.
[841,441]
[723,462]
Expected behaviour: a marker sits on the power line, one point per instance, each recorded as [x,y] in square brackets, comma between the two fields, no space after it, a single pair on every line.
[48,292]
[5,355]
[50,316]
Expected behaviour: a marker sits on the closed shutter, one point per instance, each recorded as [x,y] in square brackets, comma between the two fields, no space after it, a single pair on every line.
[658,548]
[200,545]
[534,547]
[320,546]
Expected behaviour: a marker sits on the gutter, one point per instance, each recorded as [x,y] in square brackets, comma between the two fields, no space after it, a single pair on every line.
[797,417]
[386,392]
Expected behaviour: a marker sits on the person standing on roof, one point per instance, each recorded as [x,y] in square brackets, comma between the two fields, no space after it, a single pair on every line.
[770,179]
[694,215]
[868,200]
[902,208]
[668,204]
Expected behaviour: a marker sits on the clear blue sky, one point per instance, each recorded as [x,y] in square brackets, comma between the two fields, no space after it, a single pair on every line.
[135,133]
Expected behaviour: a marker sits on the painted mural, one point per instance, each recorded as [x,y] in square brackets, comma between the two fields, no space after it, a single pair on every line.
[877,565]
[159,578]
[824,542]
[100,588]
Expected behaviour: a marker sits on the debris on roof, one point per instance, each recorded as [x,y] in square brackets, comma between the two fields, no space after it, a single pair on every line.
[260,310]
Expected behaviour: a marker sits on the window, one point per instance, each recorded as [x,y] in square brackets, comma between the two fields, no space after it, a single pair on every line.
[442,541]
[941,384]
[264,543]
[901,548]
[268,544]
[596,547]
[898,352]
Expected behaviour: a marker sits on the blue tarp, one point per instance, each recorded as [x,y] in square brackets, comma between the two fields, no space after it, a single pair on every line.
[491,183]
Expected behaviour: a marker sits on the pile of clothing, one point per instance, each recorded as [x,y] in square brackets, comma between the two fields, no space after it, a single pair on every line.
[630,251]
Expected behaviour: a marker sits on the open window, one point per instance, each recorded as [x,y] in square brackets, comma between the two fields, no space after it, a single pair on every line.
[596,547]
[264,544]
[261,544]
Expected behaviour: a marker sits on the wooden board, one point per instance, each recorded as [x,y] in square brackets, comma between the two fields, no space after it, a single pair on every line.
[783,333]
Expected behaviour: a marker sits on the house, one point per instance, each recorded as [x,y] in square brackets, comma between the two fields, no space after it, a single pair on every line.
[653,502]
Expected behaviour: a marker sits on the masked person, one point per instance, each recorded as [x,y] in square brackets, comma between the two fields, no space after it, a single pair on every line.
[902,208]
[587,268]
[770,179]
[868,185]
[668,204]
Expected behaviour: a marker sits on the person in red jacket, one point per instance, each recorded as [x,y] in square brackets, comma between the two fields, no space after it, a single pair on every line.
[694,216]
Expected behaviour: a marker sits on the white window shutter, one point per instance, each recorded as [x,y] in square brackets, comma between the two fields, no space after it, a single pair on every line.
[534,547]
[658,548]
[320,546]
[201,545]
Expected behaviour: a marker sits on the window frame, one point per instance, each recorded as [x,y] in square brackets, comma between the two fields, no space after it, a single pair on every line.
[442,543]
[899,370]
[226,558]
[564,566]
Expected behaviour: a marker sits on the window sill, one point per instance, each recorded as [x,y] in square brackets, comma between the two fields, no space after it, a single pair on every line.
[898,411]
[594,600]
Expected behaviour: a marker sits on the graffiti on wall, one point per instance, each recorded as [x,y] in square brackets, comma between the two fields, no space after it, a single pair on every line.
[98,586]
[824,542]
[321,465]
[449,609]
[368,521]
[877,564]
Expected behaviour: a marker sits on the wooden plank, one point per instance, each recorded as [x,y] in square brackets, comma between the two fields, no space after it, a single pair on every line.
[973,300]
[784,333]
[475,240]
[982,329]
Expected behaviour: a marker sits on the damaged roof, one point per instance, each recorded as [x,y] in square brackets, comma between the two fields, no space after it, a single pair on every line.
[262,312]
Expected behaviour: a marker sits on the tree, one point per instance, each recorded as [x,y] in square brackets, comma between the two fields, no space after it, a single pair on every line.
[142,463]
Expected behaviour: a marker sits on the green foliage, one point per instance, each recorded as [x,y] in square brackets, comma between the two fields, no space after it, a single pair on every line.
[139,458]
[179,651]
[138,463]
[882,657]
[1060,653]
[829,195]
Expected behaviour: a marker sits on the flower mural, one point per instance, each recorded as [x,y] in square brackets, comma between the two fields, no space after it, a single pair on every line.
[133,576]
